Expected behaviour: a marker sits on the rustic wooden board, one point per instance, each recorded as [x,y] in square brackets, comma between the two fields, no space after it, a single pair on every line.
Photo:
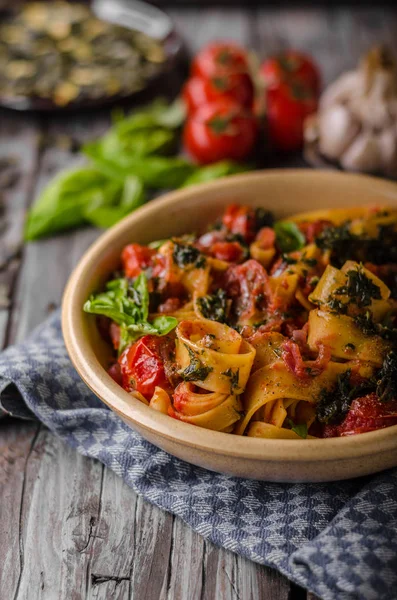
[69,528]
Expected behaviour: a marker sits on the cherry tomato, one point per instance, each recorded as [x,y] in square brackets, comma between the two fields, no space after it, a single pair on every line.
[142,368]
[291,66]
[134,258]
[237,87]
[220,58]
[220,130]
[287,109]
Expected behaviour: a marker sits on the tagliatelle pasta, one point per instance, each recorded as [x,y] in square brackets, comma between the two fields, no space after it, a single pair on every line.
[260,328]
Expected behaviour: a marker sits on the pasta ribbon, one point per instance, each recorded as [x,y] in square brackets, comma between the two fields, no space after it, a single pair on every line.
[210,410]
[263,256]
[259,429]
[344,338]
[214,356]
[275,382]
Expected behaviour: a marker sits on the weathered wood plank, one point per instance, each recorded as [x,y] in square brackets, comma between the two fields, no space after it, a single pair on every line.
[16,440]
[47,263]
[112,551]
[152,547]
[19,143]
[59,517]
[186,564]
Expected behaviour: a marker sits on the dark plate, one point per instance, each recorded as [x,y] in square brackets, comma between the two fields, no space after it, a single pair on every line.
[162,80]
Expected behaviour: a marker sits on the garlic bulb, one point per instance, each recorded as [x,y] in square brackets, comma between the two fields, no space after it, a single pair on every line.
[356,122]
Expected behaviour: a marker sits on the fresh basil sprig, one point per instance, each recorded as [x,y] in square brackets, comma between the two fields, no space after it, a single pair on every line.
[128,305]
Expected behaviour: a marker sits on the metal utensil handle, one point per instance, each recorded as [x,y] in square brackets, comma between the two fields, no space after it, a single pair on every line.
[134,14]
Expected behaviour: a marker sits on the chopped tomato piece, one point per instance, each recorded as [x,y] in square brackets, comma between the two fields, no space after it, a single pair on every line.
[240,220]
[135,258]
[229,251]
[115,373]
[366,414]
[142,368]
[292,357]
[114,332]
[170,305]
[312,229]
[266,238]
[247,284]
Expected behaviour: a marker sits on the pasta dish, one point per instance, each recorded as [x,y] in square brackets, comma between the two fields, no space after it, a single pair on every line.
[258,327]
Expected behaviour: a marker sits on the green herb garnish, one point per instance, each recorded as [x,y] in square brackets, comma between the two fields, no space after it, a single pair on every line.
[289,237]
[359,288]
[234,378]
[196,371]
[214,306]
[186,254]
[128,305]
[299,428]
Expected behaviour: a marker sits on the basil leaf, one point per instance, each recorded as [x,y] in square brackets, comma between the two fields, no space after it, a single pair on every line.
[154,171]
[157,114]
[289,237]
[128,306]
[300,429]
[62,204]
[215,171]
[132,197]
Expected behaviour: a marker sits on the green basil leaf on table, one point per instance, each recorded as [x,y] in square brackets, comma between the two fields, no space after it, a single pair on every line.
[155,171]
[289,237]
[158,114]
[128,305]
[63,202]
[215,171]
[132,197]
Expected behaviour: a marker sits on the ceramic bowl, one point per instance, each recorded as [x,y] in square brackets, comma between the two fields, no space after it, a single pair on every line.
[285,192]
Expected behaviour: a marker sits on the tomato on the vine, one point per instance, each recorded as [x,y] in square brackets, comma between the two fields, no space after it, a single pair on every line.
[220,58]
[291,66]
[287,108]
[220,130]
[237,87]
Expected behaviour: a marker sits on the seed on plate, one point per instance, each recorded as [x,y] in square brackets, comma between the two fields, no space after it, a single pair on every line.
[65,92]
[18,69]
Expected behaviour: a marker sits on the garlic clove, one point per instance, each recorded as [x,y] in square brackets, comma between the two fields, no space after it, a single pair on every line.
[363,154]
[337,128]
[343,89]
[387,141]
[373,109]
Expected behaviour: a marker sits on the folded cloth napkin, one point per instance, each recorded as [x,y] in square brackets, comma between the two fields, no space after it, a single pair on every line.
[338,540]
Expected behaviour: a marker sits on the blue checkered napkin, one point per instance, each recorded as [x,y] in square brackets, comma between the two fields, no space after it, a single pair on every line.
[339,540]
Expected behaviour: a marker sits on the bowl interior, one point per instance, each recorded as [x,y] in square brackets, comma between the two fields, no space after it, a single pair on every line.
[284,192]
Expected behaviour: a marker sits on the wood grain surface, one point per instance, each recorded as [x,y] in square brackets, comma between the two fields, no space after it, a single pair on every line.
[69,528]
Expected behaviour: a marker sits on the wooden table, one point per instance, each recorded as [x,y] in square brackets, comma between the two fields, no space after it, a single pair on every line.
[69,528]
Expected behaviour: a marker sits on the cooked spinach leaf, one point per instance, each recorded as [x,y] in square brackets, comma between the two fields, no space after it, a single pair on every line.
[386,388]
[334,403]
[360,289]
[214,306]
[196,370]
[186,254]
[234,379]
